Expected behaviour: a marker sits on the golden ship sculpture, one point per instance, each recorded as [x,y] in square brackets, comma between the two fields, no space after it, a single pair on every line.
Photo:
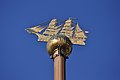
[68,28]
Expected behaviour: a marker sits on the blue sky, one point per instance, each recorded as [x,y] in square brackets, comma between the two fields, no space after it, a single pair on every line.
[23,58]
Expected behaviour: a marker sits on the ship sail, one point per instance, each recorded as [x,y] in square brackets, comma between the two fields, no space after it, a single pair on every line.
[52,29]
[67,28]
[79,36]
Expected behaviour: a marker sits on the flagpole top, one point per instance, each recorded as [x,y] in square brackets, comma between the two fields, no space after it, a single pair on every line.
[59,43]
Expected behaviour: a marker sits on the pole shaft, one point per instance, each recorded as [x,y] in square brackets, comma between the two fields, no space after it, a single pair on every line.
[59,68]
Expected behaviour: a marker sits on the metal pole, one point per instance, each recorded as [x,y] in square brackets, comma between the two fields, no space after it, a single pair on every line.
[59,47]
[59,68]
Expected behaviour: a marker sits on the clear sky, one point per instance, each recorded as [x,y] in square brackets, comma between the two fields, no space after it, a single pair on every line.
[23,58]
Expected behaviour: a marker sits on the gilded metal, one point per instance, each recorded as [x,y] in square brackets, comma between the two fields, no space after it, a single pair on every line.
[59,37]
[67,28]
[61,41]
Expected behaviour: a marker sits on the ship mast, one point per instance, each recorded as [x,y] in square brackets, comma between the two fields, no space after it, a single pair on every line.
[79,36]
[67,29]
[52,29]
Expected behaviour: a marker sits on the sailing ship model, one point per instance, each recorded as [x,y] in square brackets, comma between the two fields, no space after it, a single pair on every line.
[67,28]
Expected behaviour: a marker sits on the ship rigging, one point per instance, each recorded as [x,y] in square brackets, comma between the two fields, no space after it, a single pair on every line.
[68,28]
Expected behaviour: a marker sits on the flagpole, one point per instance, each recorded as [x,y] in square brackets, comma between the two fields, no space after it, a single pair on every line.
[59,47]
